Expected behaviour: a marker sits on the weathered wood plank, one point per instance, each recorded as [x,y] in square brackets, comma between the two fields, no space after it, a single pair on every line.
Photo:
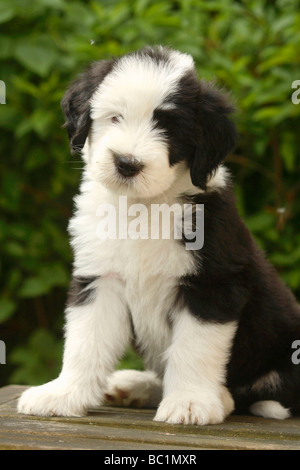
[34,432]
[115,439]
[128,429]
[10,392]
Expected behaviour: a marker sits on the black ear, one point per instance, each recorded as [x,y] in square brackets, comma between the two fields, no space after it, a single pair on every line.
[217,133]
[76,102]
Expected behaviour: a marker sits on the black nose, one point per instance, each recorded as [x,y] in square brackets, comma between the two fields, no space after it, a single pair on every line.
[127,165]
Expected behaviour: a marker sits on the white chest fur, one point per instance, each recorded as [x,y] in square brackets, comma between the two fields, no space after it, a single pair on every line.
[149,268]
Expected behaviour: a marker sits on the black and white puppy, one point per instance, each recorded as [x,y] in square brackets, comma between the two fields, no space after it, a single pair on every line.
[214,326]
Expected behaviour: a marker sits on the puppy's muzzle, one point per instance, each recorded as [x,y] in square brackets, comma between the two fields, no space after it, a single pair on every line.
[127,165]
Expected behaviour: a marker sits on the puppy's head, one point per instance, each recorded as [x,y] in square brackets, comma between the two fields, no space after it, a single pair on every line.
[145,118]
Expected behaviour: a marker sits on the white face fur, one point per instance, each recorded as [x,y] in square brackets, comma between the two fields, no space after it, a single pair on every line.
[122,123]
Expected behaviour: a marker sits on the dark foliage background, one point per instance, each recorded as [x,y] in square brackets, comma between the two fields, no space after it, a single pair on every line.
[249,47]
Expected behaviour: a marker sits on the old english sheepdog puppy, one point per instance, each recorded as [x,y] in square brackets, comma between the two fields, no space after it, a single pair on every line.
[214,325]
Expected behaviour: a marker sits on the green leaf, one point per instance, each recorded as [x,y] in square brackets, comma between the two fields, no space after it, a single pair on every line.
[292,278]
[286,259]
[38,55]
[25,86]
[14,249]
[55,275]
[266,113]
[260,222]
[34,287]
[7,12]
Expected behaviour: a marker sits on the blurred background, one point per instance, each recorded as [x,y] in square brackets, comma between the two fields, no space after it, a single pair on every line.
[251,48]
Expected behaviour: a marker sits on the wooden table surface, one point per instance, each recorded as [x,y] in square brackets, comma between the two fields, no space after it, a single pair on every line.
[115,428]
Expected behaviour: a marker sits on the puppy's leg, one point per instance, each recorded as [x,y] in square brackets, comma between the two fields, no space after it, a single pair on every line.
[97,334]
[134,388]
[195,373]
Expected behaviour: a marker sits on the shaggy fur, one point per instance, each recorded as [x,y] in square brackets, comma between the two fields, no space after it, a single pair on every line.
[214,326]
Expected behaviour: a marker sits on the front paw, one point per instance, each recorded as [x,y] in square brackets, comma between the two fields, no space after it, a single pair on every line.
[191,408]
[52,399]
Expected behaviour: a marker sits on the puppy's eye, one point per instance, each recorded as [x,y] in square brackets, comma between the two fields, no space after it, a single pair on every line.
[116,119]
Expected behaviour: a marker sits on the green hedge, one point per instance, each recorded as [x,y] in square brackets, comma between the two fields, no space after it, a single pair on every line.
[248,47]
